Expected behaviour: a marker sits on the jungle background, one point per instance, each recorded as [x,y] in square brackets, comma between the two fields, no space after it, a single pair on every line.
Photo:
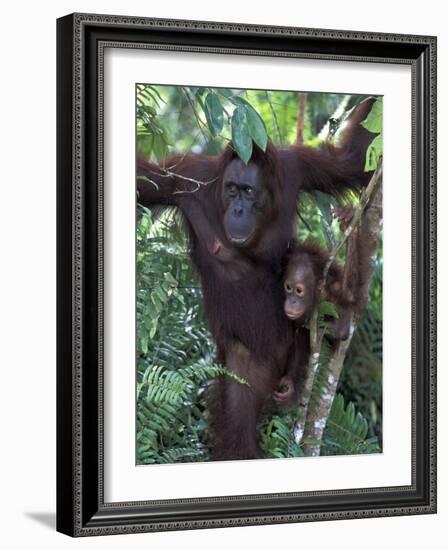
[175,352]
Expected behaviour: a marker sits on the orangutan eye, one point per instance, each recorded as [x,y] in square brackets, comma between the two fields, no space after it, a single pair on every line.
[231,188]
[300,290]
[288,287]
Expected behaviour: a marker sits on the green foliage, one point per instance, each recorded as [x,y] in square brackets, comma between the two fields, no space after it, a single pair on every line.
[175,352]
[256,127]
[374,120]
[151,135]
[374,153]
[214,113]
[325,203]
[276,437]
[245,124]
[326,310]
[346,431]
[361,380]
[241,138]
[374,123]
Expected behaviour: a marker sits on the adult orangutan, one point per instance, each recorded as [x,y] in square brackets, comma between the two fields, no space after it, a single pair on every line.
[241,221]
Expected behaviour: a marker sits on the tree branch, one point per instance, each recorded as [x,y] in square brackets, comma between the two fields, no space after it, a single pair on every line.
[166,173]
[311,421]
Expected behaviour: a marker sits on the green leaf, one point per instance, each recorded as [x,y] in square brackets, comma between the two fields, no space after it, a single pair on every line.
[328,308]
[153,330]
[214,113]
[374,120]
[168,277]
[152,90]
[346,431]
[239,100]
[227,93]
[241,138]
[144,344]
[374,153]
[198,92]
[256,127]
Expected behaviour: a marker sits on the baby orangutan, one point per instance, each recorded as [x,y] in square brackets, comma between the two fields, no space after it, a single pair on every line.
[343,287]
[305,270]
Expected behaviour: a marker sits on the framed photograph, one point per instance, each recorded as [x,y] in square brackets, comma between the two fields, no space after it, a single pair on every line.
[246,275]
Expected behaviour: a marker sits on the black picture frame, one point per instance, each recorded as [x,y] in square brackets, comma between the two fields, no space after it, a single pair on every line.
[81,510]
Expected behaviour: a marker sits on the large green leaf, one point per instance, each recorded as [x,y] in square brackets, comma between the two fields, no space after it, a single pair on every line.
[374,153]
[239,100]
[374,120]
[241,137]
[256,127]
[227,93]
[214,113]
[374,123]
[198,92]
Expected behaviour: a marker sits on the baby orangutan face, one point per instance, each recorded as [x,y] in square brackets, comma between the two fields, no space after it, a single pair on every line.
[299,287]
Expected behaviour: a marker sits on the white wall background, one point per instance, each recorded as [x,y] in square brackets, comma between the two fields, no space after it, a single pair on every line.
[27,290]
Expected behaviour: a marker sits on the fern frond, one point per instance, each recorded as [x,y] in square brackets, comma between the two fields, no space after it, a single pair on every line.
[346,431]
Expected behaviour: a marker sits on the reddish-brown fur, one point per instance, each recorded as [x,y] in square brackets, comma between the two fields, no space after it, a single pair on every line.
[242,287]
[305,267]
